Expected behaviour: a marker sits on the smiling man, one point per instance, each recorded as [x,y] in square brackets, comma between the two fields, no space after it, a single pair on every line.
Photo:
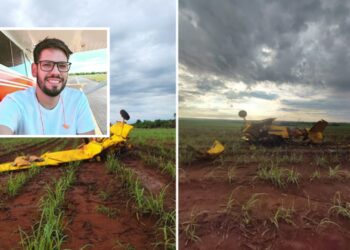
[49,108]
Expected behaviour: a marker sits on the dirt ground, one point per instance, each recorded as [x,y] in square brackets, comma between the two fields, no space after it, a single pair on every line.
[86,226]
[214,209]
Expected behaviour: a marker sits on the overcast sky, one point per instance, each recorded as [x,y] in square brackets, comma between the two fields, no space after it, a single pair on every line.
[142,46]
[273,58]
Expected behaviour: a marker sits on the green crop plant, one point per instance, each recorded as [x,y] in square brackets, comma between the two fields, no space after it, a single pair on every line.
[111,163]
[159,162]
[15,183]
[273,174]
[170,169]
[334,172]
[315,175]
[151,160]
[166,227]
[123,245]
[247,207]
[61,146]
[320,160]
[231,174]
[295,157]
[230,203]
[187,156]
[339,207]
[138,193]
[48,233]
[292,176]
[154,204]
[190,228]
[282,214]
[324,222]
[146,203]
[269,171]
[268,163]
[104,195]
[110,212]
[129,179]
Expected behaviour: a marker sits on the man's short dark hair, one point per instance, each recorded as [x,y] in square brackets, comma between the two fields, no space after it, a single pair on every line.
[49,43]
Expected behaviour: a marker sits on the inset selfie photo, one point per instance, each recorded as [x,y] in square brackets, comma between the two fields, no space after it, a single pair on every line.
[54,82]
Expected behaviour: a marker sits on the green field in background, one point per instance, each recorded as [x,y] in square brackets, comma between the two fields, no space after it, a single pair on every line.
[202,132]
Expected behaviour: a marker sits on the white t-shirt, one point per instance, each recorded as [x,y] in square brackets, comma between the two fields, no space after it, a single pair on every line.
[24,115]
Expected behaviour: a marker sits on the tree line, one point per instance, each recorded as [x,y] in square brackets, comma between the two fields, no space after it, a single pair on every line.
[155,124]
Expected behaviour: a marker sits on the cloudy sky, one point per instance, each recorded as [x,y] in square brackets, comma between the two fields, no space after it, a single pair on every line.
[273,58]
[142,45]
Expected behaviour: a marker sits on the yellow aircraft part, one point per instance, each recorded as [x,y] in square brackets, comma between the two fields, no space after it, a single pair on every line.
[88,151]
[315,134]
[216,148]
[121,129]
[279,131]
[316,137]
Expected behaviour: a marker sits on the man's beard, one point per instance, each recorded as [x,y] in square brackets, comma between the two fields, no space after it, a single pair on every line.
[54,91]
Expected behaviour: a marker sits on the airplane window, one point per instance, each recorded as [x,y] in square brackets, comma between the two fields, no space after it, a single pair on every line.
[11,55]
[18,60]
[5,51]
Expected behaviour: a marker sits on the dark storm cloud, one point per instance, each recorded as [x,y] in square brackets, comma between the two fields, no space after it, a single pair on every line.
[205,85]
[142,45]
[304,42]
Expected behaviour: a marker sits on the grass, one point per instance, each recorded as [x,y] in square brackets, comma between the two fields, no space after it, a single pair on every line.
[339,207]
[166,228]
[48,232]
[280,166]
[231,174]
[315,175]
[278,176]
[282,214]
[247,206]
[16,182]
[112,164]
[144,136]
[321,160]
[230,203]
[187,156]
[159,162]
[98,77]
[124,245]
[109,212]
[244,208]
[157,148]
[146,203]
[104,195]
[292,176]
[273,174]
[190,228]
[334,172]
[324,222]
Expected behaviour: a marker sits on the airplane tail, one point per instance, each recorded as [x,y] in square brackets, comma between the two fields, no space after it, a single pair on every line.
[315,134]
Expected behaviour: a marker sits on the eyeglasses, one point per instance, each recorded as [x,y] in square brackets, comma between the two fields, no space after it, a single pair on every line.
[47,66]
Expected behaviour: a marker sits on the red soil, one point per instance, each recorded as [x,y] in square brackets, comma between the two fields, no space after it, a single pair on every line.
[204,191]
[89,227]
[86,226]
[153,180]
[22,211]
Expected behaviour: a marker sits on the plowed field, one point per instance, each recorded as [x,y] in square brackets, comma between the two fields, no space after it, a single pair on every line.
[99,212]
[296,196]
